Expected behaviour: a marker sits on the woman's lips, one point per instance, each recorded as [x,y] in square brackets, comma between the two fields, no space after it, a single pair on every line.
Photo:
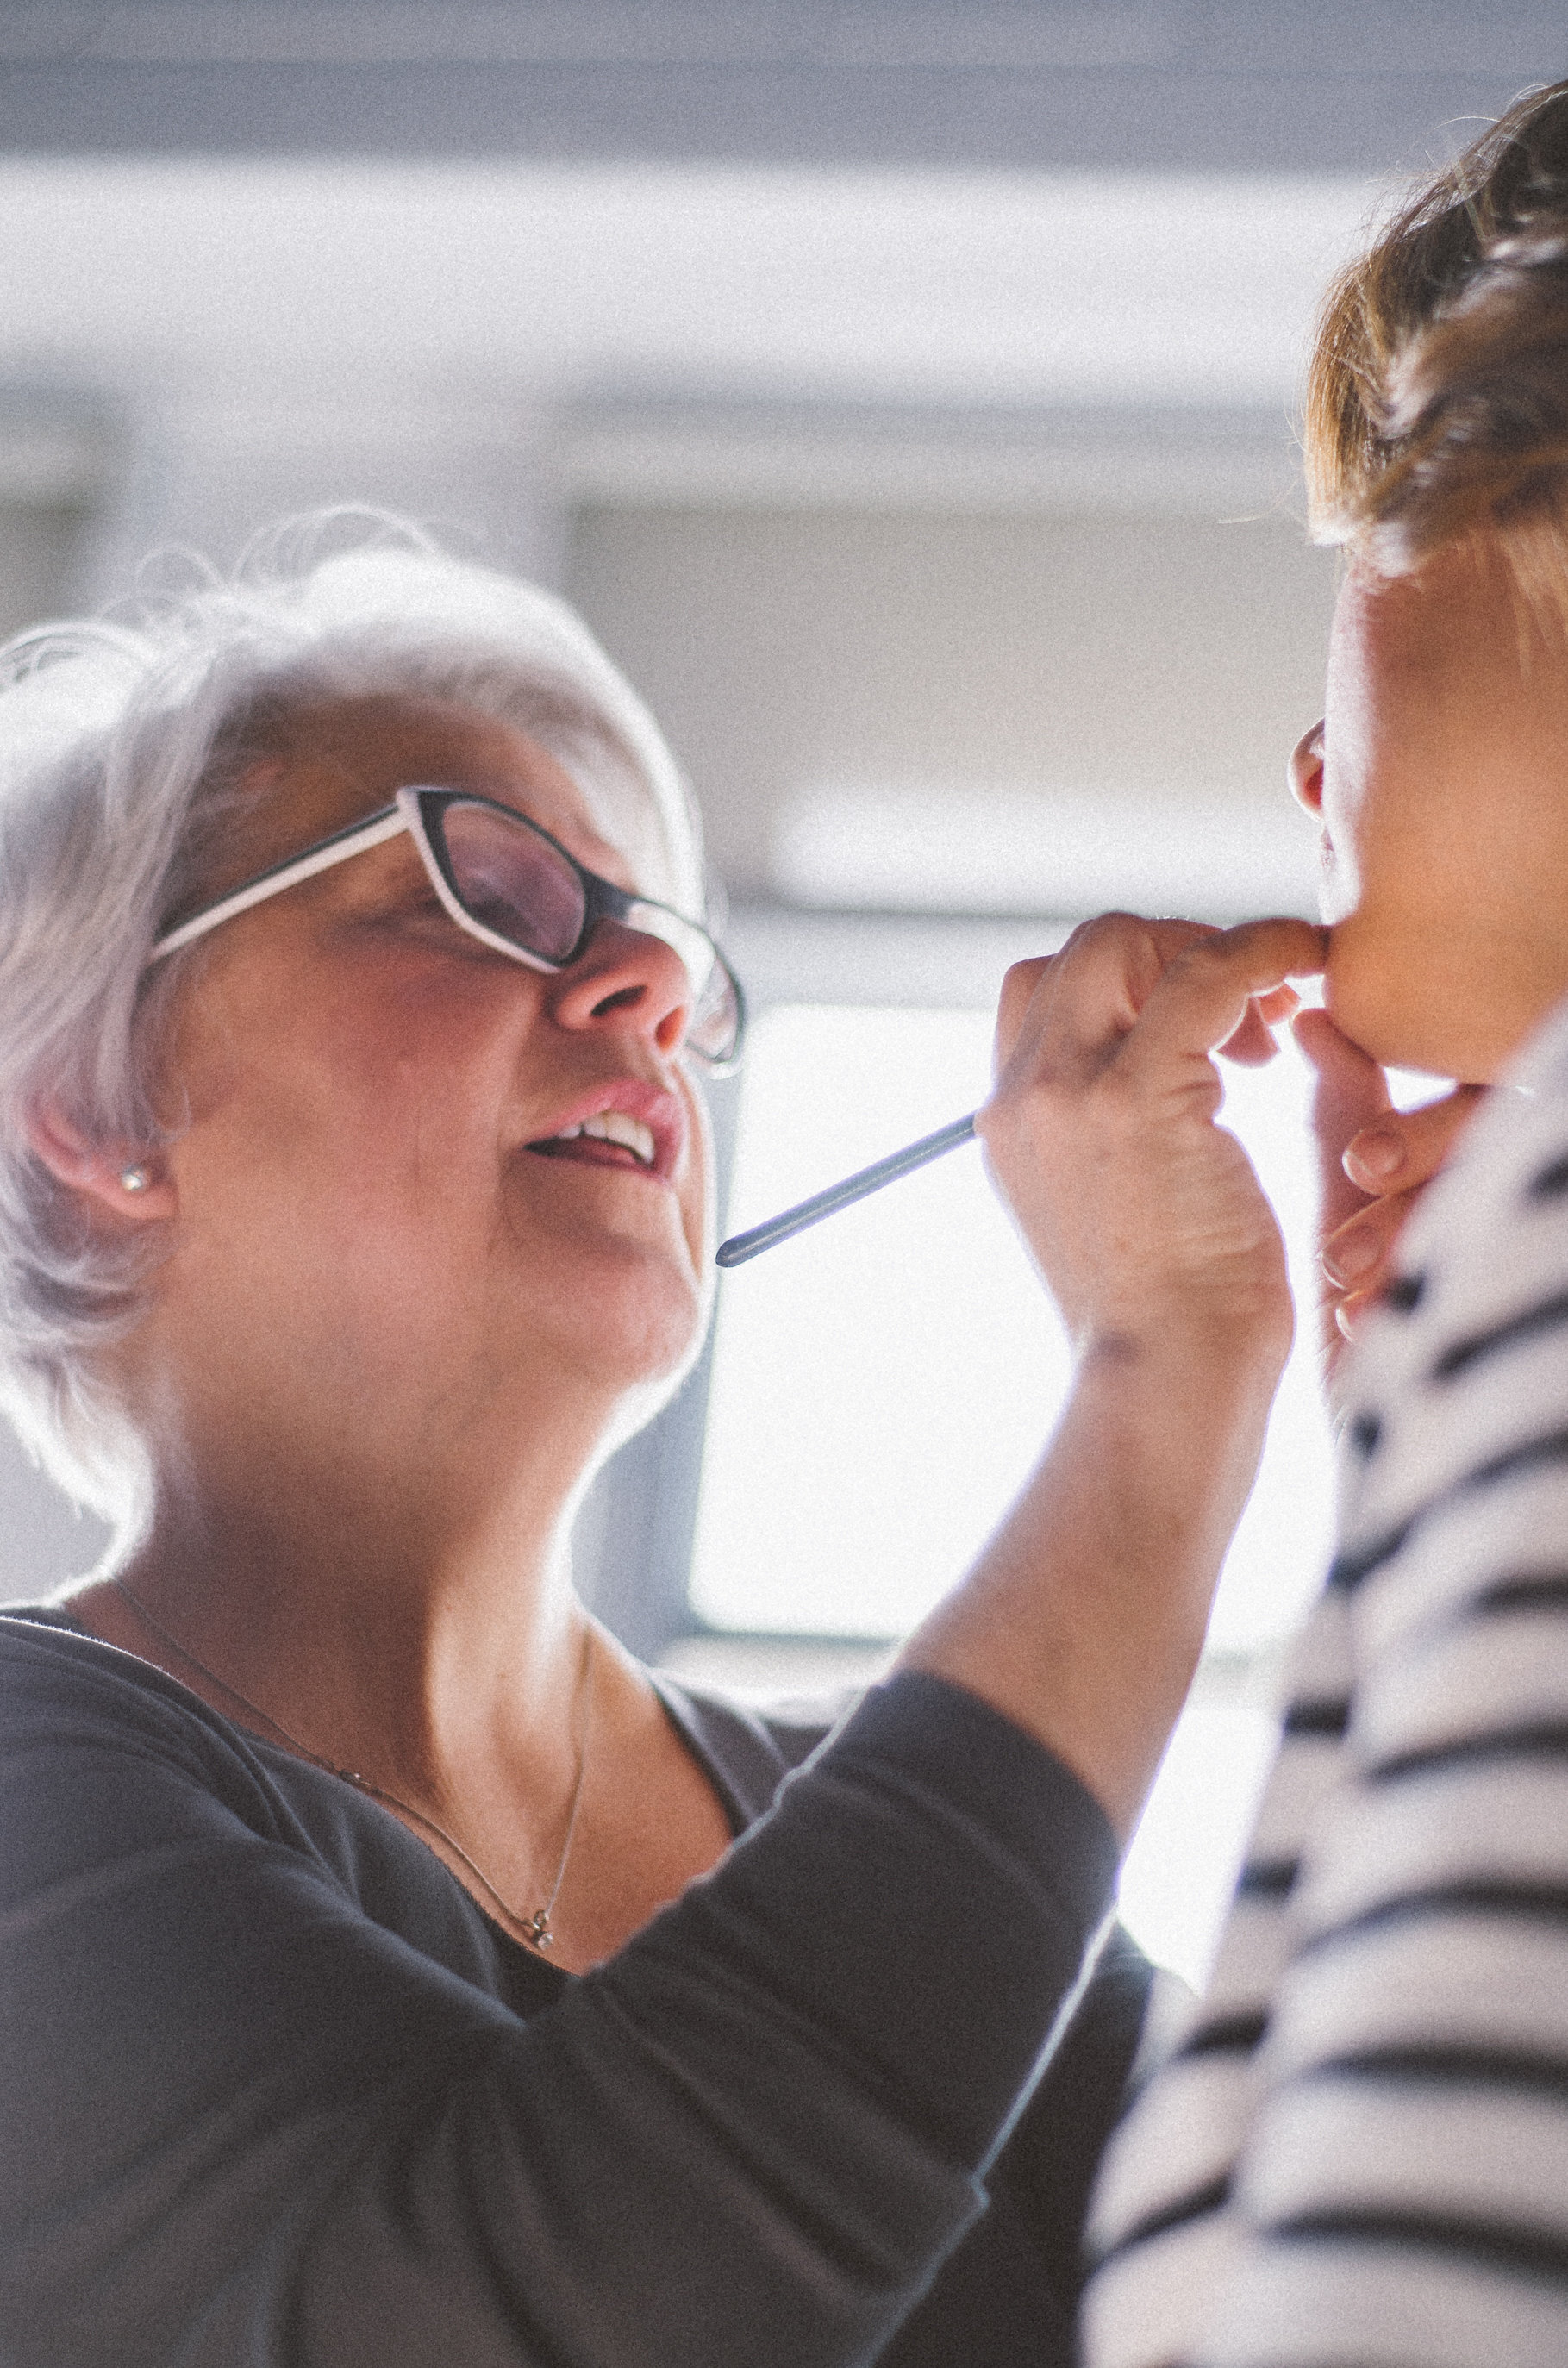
[591,1152]
[625,1123]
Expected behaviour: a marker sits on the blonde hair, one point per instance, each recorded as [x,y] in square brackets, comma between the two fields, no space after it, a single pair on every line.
[122,745]
[1437,396]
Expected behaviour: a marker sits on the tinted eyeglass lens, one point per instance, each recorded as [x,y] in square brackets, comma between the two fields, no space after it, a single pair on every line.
[521,888]
[514,882]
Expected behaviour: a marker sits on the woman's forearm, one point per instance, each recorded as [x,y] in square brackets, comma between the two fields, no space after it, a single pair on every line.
[1085,1616]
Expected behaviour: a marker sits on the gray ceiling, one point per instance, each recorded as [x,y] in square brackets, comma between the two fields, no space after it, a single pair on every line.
[1171,84]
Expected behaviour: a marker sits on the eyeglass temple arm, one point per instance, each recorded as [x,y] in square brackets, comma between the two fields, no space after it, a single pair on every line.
[741,1247]
[319,858]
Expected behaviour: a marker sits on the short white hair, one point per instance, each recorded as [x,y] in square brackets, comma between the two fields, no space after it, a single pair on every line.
[122,745]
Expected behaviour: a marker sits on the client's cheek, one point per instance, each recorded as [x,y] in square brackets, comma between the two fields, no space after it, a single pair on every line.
[1372,994]
[1341,872]
[1404,991]
[1339,888]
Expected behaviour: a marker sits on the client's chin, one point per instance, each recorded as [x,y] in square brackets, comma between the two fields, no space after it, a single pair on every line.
[1413,1009]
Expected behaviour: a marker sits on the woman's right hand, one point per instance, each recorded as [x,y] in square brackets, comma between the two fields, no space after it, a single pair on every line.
[1144,1217]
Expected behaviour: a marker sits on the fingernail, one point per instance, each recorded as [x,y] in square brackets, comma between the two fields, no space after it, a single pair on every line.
[1350,1254]
[1376,1153]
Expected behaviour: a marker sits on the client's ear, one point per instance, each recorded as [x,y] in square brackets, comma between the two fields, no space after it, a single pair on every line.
[133,1186]
[1304,770]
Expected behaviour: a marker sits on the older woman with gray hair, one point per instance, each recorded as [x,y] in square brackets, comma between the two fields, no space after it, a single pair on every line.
[393,1970]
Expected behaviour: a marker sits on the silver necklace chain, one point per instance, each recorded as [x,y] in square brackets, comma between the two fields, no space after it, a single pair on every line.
[534,1929]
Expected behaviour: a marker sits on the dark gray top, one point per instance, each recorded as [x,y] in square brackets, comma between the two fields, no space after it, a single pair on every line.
[276,2091]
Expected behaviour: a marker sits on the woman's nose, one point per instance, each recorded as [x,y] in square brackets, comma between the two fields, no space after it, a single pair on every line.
[628,980]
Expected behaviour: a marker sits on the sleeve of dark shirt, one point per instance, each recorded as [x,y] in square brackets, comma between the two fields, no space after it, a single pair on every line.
[249,2124]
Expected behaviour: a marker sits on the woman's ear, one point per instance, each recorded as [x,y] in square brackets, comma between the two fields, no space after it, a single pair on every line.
[1304,770]
[132,1185]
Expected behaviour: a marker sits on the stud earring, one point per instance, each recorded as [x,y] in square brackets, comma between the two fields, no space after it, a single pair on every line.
[134,1180]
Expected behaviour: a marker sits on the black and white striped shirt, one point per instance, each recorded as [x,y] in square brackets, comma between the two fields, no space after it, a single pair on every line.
[1359,2153]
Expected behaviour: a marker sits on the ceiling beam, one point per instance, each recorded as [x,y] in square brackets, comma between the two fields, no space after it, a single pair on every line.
[1160,84]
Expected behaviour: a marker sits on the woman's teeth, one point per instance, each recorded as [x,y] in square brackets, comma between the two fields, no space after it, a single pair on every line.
[614,1126]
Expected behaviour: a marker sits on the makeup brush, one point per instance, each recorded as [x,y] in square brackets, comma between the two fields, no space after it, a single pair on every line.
[741,1247]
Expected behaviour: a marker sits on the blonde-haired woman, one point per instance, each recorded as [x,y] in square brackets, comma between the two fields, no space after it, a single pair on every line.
[1361,2154]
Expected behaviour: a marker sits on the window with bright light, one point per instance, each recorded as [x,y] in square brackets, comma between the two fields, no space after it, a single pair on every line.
[883,1384]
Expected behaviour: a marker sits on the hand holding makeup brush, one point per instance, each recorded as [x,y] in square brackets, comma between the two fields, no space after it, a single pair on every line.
[1084,1617]
[1143,1216]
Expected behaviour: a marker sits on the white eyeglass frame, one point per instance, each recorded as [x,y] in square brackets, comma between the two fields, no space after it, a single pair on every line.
[603,899]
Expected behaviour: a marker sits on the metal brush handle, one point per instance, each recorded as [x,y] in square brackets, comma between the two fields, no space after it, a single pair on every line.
[741,1247]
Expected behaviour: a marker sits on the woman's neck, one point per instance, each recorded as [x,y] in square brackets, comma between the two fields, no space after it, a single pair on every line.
[412,1630]
[458,1687]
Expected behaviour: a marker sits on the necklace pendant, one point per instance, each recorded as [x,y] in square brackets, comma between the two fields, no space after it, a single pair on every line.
[536,1931]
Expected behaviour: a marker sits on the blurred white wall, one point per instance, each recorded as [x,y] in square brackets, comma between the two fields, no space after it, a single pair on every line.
[950,710]
[43,1538]
[930,483]
[490,344]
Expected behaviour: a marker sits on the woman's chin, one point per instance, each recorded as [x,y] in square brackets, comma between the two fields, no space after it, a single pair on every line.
[1403,1018]
[637,1324]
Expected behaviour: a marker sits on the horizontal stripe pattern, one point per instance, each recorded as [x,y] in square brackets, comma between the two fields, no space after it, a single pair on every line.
[1458,1563]
[1460,1827]
[1472,2163]
[1465,1681]
[1253,1953]
[1360,2151]
[1364,2299]
[1151,2301]
[1528,1322]
[1461,1975]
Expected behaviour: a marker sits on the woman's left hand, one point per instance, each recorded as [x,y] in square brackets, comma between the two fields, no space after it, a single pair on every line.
[1374,1164]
